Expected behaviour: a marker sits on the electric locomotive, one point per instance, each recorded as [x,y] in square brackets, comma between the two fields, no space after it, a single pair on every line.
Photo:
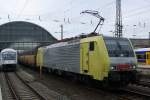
[9,59]
[100,58]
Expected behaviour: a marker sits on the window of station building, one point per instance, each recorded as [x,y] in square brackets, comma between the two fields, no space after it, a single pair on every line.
[91,46]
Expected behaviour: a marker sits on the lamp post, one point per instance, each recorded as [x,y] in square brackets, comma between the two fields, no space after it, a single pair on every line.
[61,31]
[134,30]
[61,26]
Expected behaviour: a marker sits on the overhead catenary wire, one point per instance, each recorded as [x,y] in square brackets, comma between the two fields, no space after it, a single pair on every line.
[23,8]
[71,1]
[78,19]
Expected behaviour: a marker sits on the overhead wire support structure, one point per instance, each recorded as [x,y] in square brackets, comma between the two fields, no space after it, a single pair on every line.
[118,24]
[96,14]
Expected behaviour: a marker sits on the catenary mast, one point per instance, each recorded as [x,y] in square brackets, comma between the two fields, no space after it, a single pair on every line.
[118,24]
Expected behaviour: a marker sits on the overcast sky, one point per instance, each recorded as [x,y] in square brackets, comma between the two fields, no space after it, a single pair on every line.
[53,13]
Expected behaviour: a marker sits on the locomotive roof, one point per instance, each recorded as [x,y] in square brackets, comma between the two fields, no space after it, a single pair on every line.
[71,42]
[76,41]
[8,49]
[116,38]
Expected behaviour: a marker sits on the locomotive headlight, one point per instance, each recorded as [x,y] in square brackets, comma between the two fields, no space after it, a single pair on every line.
[134,67]
[112,67]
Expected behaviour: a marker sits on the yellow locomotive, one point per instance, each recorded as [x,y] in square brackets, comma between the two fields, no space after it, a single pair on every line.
[100,58]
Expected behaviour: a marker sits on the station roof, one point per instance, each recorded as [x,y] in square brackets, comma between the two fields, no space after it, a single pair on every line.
[23,35]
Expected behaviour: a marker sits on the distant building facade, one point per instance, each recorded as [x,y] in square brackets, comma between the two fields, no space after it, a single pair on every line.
[140,43]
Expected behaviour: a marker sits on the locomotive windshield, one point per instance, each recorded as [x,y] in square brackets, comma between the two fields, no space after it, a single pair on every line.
[119,47]
[9,56]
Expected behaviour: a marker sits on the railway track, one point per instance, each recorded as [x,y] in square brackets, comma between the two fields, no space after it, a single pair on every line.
[17,89]
[15,96]
[132,92]
[144,83]
[122,94]
[6,92]
[138,90]
[22,86]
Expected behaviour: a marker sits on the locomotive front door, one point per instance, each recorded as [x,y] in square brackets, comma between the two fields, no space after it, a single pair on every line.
[85,57]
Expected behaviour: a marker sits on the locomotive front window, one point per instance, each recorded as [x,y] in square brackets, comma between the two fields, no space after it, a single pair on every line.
[9,56]
[126,48]
[112,48]
[119,47]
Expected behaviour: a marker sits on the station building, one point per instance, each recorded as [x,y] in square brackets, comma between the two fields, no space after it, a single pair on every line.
[22,35]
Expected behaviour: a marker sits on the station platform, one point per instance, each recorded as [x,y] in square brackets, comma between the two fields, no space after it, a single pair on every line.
[144,69]
[143,66]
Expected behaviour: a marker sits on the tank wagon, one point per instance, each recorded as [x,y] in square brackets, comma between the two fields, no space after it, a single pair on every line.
[8,59]
[27,58]
[97,57]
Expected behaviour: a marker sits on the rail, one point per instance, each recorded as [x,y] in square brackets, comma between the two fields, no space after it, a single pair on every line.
[0,93]
[11,87]
[138,90]
[20,89]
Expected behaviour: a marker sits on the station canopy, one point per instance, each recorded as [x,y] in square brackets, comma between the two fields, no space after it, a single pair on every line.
[22,35]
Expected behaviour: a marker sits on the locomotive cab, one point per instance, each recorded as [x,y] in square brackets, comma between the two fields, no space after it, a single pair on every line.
[9,59]
[108,58]
[123,62]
